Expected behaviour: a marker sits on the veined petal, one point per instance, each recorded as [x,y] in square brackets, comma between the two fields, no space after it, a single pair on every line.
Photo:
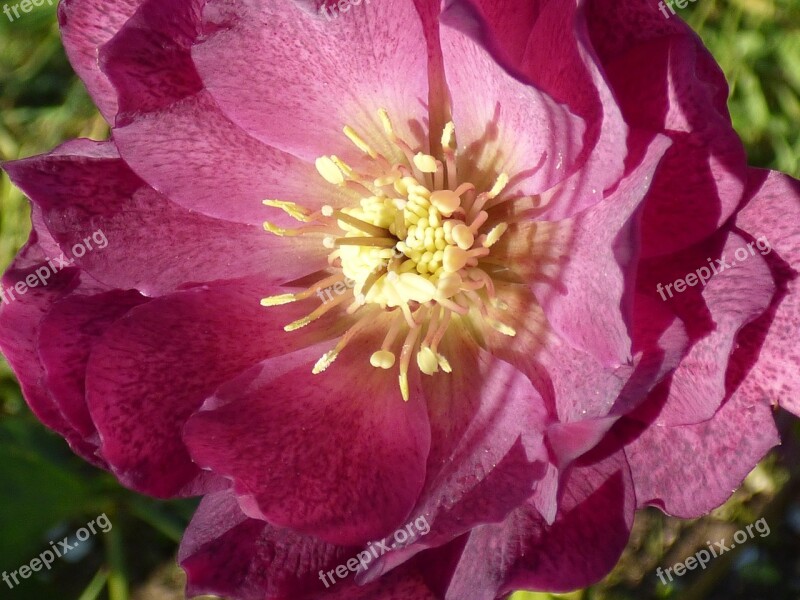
[89,195]
[310,75]
[512,127]
[85,26]
[336,455]
[579,548]
[770,217]
[154,368]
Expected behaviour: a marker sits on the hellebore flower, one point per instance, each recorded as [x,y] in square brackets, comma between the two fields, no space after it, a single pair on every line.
[455,315]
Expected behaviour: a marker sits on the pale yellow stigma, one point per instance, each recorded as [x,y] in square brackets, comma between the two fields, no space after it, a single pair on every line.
[412,247]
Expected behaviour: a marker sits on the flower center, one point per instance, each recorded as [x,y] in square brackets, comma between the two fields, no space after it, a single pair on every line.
[413,246]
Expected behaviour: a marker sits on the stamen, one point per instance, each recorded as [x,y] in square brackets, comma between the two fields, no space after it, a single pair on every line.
[413,242]
[283,232]
[405,360]
[349,173]
[297,212]
[387,124]
[495,234]
[373,277]
[455,259]
[448,148]
[427,361]
[463,236]
[502,327]
[482,217]
[318,313]
[394,330]
[382,359]
[448,136]
[329,171]
[439,335]
[330,356]
[359,142]
[446,202]
[366,242]
[426,163]
[278,300]
[363,226]
[499,186]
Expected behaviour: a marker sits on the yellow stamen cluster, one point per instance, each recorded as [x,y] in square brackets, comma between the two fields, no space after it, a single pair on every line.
[413,244]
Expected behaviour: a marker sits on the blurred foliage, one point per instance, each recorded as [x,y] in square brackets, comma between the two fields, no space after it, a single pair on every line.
[48,493]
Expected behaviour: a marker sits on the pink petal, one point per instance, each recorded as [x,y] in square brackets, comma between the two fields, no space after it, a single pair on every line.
[226,553]
[719,453]
[580,548]
[214,168]
[174,135]
[154,368]
[309,76]
[20,328]
[300,447]
[771,216]
[515,32]
[570,380]
[504,125]
[86,197]
[715,314]
[580,269]
[68,333]
[85,26]
[668,82]
[487,454]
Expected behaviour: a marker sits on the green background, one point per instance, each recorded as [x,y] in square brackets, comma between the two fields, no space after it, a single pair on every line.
[47,493]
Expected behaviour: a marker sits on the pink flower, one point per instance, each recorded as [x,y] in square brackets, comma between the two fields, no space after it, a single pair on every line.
[454,314]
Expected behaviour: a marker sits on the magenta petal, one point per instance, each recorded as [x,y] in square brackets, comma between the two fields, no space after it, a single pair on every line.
[580,269]
[85,26]
[149,61]
[308,76]
[516,32]
[85,196]
[571,381]
[488,448]
[176,138]
[155,367]
[528,135]
[19,332]
[580,548]
[593,314]
[226,553]
[771,218]
[719,453]
[68,333]
[569,441]
[715,315]
[317,453]
[215,168]
[668,82]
